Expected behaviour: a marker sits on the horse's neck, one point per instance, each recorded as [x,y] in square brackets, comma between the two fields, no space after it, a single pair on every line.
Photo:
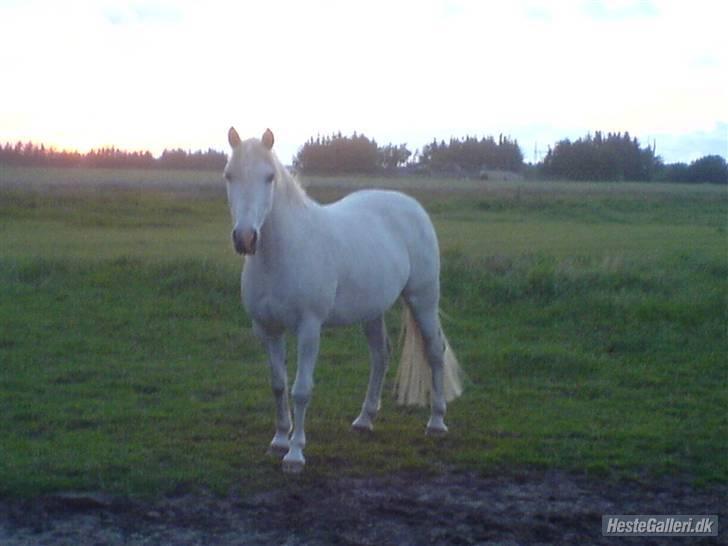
[288,221]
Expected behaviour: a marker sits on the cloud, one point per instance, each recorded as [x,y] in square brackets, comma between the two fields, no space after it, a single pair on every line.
[126,13]
[691,146]
[155,74]
[619,10]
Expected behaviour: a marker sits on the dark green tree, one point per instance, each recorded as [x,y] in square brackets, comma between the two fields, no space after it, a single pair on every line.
[710,168]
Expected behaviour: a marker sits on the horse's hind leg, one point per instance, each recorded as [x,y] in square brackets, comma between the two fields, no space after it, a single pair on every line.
[426,316]
[376,333]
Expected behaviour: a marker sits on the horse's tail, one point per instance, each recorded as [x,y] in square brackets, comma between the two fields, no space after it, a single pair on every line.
[414,377]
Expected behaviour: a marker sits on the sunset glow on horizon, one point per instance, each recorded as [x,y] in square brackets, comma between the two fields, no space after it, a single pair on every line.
[149,75]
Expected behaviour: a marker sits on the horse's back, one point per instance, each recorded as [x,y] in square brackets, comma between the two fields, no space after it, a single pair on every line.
[393,208]
[384,243]
[382,215]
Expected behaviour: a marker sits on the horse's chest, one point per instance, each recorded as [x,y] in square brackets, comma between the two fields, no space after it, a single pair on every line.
[282,296]
[274,300]
[262,302]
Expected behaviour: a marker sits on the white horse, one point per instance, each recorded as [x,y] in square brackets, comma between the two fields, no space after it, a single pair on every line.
[308,266]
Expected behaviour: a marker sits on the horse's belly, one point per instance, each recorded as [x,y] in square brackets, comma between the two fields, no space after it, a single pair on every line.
[352,311]
[367,291]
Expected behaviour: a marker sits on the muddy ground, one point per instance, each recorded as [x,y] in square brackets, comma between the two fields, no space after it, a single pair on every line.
[453,508]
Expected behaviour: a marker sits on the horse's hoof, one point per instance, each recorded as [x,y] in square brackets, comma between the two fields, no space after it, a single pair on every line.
[436,426]
[436,431]
[277,450]
[362,425]
[362,429]
[292,467]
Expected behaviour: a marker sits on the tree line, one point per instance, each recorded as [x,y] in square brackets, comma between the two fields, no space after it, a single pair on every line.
[615,156]
[471,155]
[598,157]
[709,168]
[339,154]
[618,156]
[30,154]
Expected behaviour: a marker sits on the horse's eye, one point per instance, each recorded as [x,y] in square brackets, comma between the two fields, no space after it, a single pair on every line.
[270,178]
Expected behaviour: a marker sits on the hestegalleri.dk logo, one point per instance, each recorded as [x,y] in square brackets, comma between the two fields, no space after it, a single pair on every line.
[659,525]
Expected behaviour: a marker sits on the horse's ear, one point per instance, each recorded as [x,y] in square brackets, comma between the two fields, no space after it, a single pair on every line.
[268,139]
[233,137]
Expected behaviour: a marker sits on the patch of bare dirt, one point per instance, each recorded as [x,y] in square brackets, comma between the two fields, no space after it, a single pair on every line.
[453,508]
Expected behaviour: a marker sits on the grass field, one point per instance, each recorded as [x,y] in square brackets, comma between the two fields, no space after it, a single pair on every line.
[590,319]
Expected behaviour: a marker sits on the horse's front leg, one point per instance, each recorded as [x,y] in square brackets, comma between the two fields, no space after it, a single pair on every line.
[275,346]
[308,347]
[379,350]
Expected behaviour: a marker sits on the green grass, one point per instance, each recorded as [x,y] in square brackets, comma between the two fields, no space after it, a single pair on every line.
[591,321]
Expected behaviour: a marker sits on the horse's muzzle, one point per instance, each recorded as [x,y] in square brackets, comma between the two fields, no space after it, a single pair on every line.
[245,241]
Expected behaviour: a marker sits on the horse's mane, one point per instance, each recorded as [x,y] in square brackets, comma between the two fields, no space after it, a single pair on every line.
[289,187]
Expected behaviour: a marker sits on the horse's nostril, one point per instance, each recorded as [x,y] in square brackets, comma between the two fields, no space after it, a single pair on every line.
[237,242]
[250,241]
[245,241]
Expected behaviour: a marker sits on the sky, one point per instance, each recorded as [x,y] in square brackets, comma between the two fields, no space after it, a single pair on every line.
[166,74]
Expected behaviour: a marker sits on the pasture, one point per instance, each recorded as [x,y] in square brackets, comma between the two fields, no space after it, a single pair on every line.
[590,320]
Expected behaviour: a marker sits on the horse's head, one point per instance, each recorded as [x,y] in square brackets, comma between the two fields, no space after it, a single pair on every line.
[250,174]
